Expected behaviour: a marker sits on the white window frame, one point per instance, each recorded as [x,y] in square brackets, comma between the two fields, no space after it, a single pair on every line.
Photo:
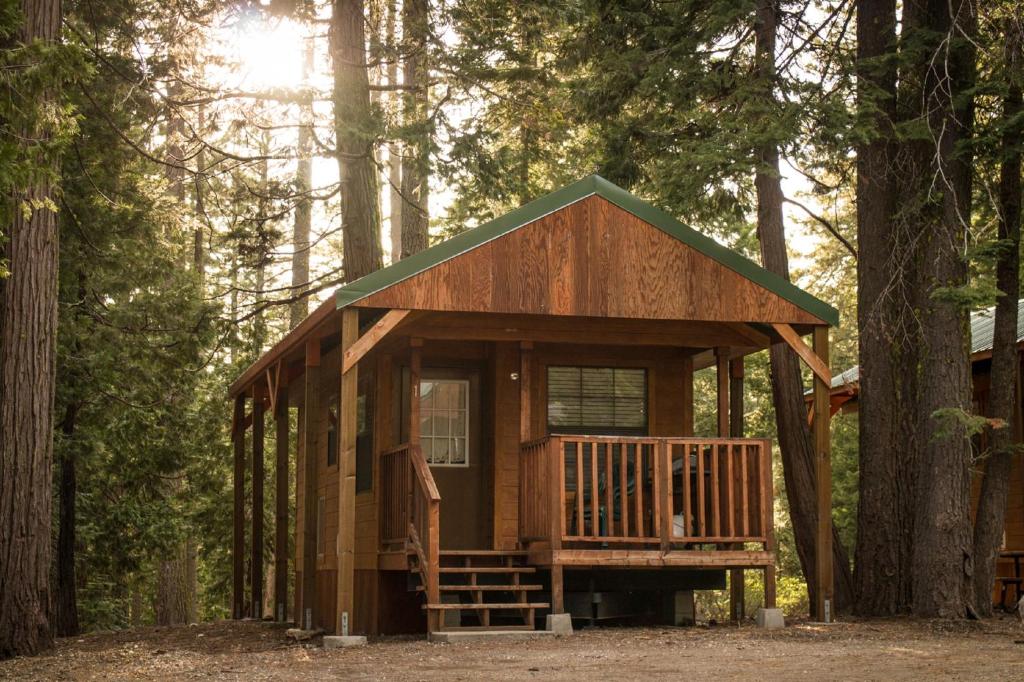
[465,436]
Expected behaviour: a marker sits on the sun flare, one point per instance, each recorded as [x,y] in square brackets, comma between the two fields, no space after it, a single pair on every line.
[266,53]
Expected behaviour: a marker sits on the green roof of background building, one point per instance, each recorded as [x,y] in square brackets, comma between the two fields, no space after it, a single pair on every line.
[589,186]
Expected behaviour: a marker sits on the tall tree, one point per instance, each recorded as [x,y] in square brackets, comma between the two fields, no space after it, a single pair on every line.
[28,333]
[1004,379]
[303,219]
[355,132]
[416,121]
[913,545]
[795,440]
[394,145]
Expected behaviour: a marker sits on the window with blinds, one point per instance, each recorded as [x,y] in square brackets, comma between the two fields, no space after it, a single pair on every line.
[597,399]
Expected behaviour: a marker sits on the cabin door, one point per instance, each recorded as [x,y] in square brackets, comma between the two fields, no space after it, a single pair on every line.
[450,437]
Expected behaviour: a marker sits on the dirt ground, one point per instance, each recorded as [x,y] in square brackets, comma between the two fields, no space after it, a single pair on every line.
[867,650]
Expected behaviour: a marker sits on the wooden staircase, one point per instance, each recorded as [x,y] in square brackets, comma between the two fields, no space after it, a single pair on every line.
[482,590]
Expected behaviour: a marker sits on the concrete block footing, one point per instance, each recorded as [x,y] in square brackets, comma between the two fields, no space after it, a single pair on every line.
[770,619]
[559,623]
[343,642]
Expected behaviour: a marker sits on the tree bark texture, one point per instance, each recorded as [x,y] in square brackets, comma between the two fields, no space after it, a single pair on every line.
[416,160]
[303,221]
[795,440]
[394,146]
[990,517]
[914,548]
[28,334]
[942,556]
[354,133]
[885,508]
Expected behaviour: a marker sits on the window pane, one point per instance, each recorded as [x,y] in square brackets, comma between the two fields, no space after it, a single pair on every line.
[629,413]
[447,395]
[458,423]
[598,411]
[629,383]
[441,450]
[564,381]
[426,423]
[426,394]
[564,411]
[597,381]
[440,422]
[458,450]
[426,445]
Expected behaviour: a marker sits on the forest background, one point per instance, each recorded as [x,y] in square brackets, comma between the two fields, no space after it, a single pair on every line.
[214,169]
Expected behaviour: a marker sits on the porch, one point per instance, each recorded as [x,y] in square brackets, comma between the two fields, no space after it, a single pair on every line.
[588,501]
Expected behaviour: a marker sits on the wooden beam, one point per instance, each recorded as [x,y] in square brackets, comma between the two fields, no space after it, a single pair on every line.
[238,540]
[311,415]
[737,588]
[750,334]
[722,372]
[415,369]
[281,495]
[347,426]
[687,397]
[823,608]
[361,346]
[814,361]
[256,558]
[525,388]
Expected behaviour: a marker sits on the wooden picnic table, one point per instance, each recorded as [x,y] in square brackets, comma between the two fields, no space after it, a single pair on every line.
[1016,555]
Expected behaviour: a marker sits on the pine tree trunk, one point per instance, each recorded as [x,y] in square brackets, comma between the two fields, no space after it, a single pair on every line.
[171,603]
[66,607]
[886,488]
[1003,384]
[416,161]
[28,334]
[303,223]
[394,147]
[354,135]
[795,440]
[941,561]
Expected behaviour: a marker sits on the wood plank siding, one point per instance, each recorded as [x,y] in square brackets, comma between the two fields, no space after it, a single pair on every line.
[590,259]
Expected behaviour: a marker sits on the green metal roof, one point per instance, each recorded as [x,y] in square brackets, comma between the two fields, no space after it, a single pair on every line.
[589,186]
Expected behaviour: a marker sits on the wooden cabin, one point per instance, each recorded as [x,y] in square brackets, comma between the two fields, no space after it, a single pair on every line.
[844,397]
[501,427]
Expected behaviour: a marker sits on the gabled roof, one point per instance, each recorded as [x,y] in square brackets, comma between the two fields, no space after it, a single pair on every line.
[983,326]
[559,199]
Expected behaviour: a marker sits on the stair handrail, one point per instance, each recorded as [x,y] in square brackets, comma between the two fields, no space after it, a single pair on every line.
[425,529]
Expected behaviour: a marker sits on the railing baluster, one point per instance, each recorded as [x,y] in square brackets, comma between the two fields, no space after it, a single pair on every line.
[687,508]
[638,489]
[730,484]
[578,453]
[609,491]
[745,483]
[624,490]
[716,509]
[595,497]
[701,528]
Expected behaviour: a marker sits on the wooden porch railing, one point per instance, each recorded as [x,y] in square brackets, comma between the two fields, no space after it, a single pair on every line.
[411,514]
[645,491]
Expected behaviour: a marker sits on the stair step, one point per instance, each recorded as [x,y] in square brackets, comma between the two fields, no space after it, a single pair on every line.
[483,552]
[514,605]
[487,569]
[486,588]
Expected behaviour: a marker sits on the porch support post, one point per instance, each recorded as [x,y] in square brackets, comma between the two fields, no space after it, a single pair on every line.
[415,370]
[823,451]
[688,397]
[311,413]
[737,589]
[281,424]
[238,539]
[525,388]
[256,558]
[722,368]
[347,425]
